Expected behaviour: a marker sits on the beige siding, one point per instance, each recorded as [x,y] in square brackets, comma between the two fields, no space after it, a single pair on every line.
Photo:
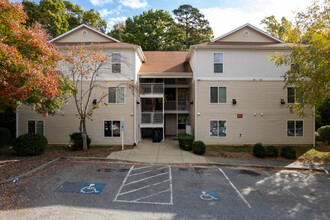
[253,36]
[239,64]
[76,36]
[57,128]
[252,97]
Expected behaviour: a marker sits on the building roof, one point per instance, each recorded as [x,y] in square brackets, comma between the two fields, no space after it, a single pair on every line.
[93,44]
[165,62]
[240,43]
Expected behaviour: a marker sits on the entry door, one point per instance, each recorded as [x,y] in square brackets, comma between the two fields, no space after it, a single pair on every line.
[170,125]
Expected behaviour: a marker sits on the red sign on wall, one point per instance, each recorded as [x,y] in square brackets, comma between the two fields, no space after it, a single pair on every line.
[239,115]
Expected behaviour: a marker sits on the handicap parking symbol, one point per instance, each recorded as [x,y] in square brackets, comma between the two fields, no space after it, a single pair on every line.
[208,195]
[91,188]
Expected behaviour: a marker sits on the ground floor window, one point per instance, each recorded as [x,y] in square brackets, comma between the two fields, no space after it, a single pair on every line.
[111,128]
[35,126]
[182,122]
[218,128]
[295,128]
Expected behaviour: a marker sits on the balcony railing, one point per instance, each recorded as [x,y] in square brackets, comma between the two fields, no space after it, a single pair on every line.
[152,88]
[176,105]
[152,118]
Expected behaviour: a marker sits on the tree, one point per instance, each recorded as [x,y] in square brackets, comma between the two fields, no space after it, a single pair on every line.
[308,57]
[153,30]
[83,68]
[28,72]
[117,31]
[58,16]
[275,28]
[194,25]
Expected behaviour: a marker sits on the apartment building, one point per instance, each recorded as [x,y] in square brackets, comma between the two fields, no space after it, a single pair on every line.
[226,91]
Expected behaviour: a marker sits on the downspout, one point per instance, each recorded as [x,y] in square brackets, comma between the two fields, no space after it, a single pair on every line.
[196,100]
[134,99]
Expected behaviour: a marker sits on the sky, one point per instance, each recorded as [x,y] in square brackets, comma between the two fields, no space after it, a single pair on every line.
[223,15]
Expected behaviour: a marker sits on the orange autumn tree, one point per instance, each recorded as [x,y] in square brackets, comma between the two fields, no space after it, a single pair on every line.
[28,72]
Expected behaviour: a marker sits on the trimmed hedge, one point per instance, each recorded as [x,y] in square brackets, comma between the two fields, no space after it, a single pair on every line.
[198,147]
[324,133]
[5,137]
[288,152]
[271,151]
[186,141]
[259,150]
[30,144]
[77,141]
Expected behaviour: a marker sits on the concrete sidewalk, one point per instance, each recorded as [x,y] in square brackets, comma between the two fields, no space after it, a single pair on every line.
[169,152]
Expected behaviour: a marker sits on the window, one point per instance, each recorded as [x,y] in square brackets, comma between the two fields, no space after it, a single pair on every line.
[111,128]
[218,94]
[218,63]
[116,95]
[295,128]
[116,63]
[218,128]
[182,122]
[292,95]
[36,127]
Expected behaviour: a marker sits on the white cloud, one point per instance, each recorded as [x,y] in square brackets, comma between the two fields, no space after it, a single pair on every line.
[134,4]
[101,2]
[113,21]
[104,12]
[223,20]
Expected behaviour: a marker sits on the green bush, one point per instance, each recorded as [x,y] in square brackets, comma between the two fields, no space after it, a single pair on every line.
[259,150]
[77,142]
[198,147]
[30,144]
[186,141]
[271,151]
[324,132]
[4,137]
[317,136]
[288,152]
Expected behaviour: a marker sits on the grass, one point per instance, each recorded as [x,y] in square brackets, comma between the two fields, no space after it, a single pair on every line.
[247,149]
[67,147]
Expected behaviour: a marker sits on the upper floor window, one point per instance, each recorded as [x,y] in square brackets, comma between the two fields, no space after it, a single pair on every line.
[36,127]
[116,63]
[218,94]
[116,94]
[292,95]
[218,62]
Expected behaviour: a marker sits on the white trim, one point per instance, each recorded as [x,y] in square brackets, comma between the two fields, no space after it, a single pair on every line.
[86,26]
[255,79]
[112,128]
[116,103]
[295,136]
[218,128]
[217,103]
[250,26]
[223,61]
[35,126]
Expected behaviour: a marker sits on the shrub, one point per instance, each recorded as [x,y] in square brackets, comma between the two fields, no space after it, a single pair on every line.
[271,151]
[198,147]
[4,137]
[288,152]
[317,136]
[324,132]
[30,144]
[186,141]
[259,150]
[77,142]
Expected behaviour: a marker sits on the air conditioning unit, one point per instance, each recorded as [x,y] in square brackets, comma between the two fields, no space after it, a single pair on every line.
[188,129]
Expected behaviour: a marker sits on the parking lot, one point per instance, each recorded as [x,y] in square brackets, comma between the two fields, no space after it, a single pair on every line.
[102,190]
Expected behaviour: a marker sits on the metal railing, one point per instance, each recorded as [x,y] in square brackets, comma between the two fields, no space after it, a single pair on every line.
[152,118]
[152,88]
[176,105]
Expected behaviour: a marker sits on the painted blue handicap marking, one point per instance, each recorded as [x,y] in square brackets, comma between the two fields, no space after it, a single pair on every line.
[208,195]
[91,188]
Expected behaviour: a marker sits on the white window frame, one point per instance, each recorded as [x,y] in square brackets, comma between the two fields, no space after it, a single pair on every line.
[218,128]
[223,61]
[112,128]
[35,126]
[112,63]
[295,120]
[117,103]
[218,95]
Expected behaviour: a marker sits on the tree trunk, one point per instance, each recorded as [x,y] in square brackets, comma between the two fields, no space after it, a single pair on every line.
[84,134]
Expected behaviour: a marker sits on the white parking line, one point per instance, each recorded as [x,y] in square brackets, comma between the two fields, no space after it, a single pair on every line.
[240,195]
[145,178]
[134,174]
[152,195]
[122,185]
[138,168]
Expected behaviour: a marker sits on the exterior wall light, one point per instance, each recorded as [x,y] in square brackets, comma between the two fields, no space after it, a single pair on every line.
[198,113]
[191,103]
[94,101]
[262,114]
[282,101]
[255,114]
[234,101]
